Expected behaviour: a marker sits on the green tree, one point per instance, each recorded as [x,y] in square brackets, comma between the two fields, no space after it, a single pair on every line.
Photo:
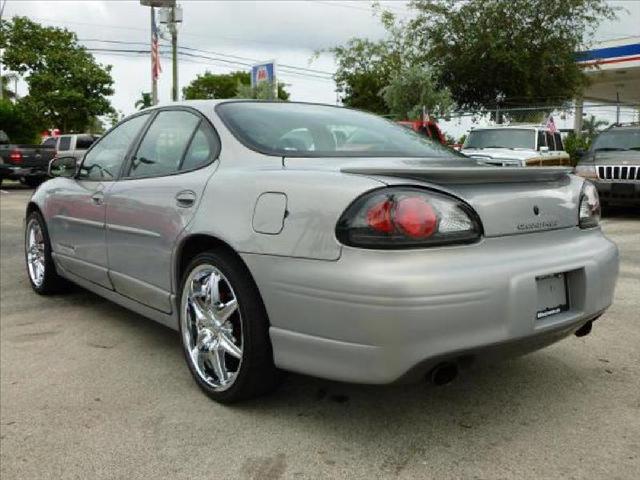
[521,50]
[365,68]
[592,126]
[411,90]
[226,85]
[144,101]
[263,91]
[67,88]
[18,123]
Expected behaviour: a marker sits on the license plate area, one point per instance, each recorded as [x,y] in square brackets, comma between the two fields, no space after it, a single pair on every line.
[552,295]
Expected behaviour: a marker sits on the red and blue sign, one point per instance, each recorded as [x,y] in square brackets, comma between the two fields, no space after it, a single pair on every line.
[263,72]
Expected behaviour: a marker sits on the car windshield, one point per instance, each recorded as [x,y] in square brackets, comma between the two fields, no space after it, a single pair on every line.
[501,138]
[308,130]
[627,139]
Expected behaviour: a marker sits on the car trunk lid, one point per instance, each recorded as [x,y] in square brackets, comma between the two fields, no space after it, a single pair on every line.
[509,200]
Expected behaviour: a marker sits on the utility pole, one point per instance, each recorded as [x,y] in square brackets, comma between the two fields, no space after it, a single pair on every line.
[174,53]
[2,4]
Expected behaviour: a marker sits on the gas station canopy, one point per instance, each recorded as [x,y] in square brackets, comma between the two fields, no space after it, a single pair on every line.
[613,67]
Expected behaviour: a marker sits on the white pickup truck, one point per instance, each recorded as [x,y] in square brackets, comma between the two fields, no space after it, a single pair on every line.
[516,145]
[71,145]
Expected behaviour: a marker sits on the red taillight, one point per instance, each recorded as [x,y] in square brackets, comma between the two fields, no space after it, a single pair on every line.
[407,217]
[15,156]
[415,217]
[379,216]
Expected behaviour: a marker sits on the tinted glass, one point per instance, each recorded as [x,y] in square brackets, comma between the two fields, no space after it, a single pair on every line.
[65,143]
[164,144]
[83,142]
[627,139]
[550,140]
[501,138]
[50,142]
[542,140]
[558,139]
[201,150]
[104,160]
[306,130]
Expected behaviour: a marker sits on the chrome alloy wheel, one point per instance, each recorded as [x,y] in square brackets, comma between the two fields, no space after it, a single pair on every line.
[35,252]
[212,326]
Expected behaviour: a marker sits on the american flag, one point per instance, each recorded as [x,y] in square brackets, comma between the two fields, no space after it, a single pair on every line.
[551,125]
[156,68]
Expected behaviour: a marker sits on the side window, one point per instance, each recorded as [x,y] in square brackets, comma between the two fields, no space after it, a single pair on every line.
[83,142]
[164,144]
[103,161]
[558,138]
[550,141]
[50,142]
[65,143]
[542,141]
[203,146]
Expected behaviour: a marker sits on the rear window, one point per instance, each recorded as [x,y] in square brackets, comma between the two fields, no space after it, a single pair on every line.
[308,130]
[50,142]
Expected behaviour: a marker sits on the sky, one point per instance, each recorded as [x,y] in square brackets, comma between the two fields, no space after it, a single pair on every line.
[288,31]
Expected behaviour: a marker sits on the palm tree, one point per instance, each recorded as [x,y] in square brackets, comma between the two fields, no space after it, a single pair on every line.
[144,101]
[591,127]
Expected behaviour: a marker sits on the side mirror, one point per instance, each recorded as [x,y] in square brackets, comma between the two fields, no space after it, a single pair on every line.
[544,149]
[63,167]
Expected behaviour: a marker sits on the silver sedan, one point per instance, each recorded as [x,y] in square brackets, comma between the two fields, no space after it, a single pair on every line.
[322,240]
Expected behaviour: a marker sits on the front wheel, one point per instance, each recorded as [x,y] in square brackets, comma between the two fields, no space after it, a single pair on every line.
[225,330]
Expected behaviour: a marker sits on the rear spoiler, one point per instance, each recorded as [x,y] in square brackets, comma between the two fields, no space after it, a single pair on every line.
[465,175]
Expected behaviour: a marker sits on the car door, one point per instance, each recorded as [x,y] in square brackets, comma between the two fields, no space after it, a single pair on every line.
[155,200]
[76,207]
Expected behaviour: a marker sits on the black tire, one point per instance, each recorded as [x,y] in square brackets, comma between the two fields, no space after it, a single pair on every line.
[33,182]
[52,282]
[257,374]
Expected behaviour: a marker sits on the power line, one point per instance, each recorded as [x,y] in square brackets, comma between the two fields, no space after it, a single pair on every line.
[280,65]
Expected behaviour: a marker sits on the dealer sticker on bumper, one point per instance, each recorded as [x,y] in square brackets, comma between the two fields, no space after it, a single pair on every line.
[552,295]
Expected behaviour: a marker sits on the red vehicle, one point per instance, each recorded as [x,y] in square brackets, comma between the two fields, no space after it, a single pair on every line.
[428,128]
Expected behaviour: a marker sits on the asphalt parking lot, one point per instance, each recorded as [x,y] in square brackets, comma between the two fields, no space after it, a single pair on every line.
[90,390]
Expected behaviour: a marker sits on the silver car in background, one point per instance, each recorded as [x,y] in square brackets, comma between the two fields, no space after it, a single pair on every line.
[321,240]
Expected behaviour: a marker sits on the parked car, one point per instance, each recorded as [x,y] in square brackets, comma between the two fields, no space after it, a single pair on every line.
[516,146]
[26,163]
[71,145]
[368,262]
[428,128]
[613,165]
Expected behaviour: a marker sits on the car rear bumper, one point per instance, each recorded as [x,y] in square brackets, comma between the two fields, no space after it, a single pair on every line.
[378,316]
[15,172]
[618,192]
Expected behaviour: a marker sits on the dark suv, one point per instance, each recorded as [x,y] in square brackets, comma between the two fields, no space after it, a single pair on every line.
[613,165]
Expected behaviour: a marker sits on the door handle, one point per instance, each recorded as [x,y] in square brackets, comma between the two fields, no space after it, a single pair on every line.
[186,198]
[98,198]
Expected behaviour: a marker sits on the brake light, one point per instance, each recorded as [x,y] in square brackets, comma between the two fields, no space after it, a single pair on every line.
[405,217]
[415,217]
[15,156]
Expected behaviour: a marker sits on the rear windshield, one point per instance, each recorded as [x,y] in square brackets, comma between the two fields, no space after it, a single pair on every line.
[307,130]
[501,138]
[628,139]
